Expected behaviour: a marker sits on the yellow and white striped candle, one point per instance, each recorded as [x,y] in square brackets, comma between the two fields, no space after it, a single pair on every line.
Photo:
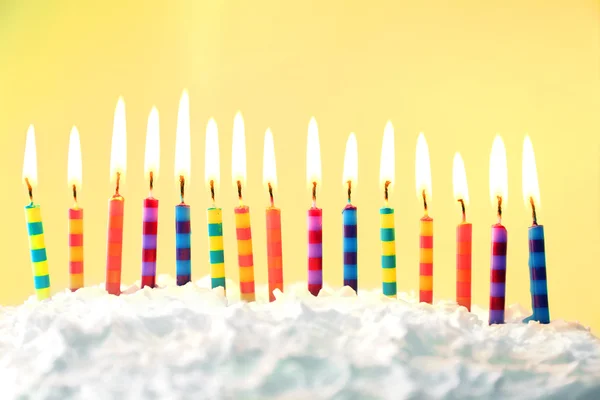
[37,248]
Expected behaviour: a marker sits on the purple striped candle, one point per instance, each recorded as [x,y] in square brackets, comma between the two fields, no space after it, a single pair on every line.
[498,274]
[149,236]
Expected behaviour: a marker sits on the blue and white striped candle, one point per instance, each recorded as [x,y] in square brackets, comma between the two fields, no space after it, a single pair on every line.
[537,273]
[350,247]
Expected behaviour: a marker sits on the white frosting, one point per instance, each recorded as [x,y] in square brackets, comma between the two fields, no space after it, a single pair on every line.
[187,342]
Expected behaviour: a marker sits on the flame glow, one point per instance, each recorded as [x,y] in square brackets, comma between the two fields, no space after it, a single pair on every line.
[459,179]
[30,158]
[74,160]
[212,162]
[498,172]
[313,154]
[531,187]
[423,168]
[182,139]
[238,151]
[118,151]
[269,166]
[351,162]
[387,166]
[152,155]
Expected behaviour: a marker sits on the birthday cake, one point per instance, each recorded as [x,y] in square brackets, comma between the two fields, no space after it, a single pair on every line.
[193,342]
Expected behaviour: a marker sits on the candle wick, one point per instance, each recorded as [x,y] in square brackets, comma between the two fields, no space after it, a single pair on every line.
[29,189]
[182,188]
[212,191]
[118,183]
[533,212]
[151,182]
[499,209]
[75,194]
[425,203]
[385,191]
[239,190]
[271,194]
[462,207]
[314,194]
[349,191]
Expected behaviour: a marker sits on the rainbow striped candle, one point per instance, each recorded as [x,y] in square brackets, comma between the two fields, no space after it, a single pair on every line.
[183,244]
[498,274]
[245,256]
[387,234]
[350,247]
[37,247]
[215,247]
[149,239]
[315,250]
[75,248]
[114,244]
[426,260]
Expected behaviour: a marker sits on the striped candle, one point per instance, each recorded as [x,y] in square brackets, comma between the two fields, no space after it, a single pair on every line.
[350,247]
[149,239]
[274,253]
[463,264]
[245,256]
[114,244]
[215,247]
[37,248]
[183,263]
[315,250]
[498,274]
[75,248]
[426,260]
[537,271]
[387,234]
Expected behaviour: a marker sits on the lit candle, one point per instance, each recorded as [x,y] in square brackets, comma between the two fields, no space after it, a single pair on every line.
[498,194]
[423,179]
[463,235]
[214,215]
[118,159]
[273,214]
[387,231]
[183,230]
[349,216]
[33,216]
[315,215]
[75,214]
[537,252]
[150,205]
[242,212]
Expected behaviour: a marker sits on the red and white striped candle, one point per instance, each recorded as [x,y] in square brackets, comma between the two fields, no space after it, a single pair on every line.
[315,214]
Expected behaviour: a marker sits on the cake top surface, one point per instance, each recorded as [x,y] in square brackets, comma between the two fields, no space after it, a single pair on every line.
[193,342]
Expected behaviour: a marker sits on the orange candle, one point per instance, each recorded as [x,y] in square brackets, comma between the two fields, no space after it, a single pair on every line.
[423,178]
[75,214]
[463,236]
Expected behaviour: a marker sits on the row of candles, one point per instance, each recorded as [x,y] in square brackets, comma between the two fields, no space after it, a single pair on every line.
[498,192]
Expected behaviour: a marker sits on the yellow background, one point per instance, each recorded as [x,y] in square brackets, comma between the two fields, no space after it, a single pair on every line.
[459,74]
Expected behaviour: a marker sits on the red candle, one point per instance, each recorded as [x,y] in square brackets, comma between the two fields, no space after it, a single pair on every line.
[273,214]
[463,236]
[114,246]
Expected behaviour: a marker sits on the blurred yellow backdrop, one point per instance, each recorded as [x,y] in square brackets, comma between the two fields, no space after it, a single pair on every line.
[459,74]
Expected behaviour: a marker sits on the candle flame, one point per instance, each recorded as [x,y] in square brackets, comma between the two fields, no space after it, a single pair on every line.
[30,158]
[351,162]
[152,155]
[459,180]
[212,163]
[238,151]
[313,154]
[118,152]
[74,160]
[531,188]
[269,165]
[387,166]
[182,139]
[498,172]
[423,168]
